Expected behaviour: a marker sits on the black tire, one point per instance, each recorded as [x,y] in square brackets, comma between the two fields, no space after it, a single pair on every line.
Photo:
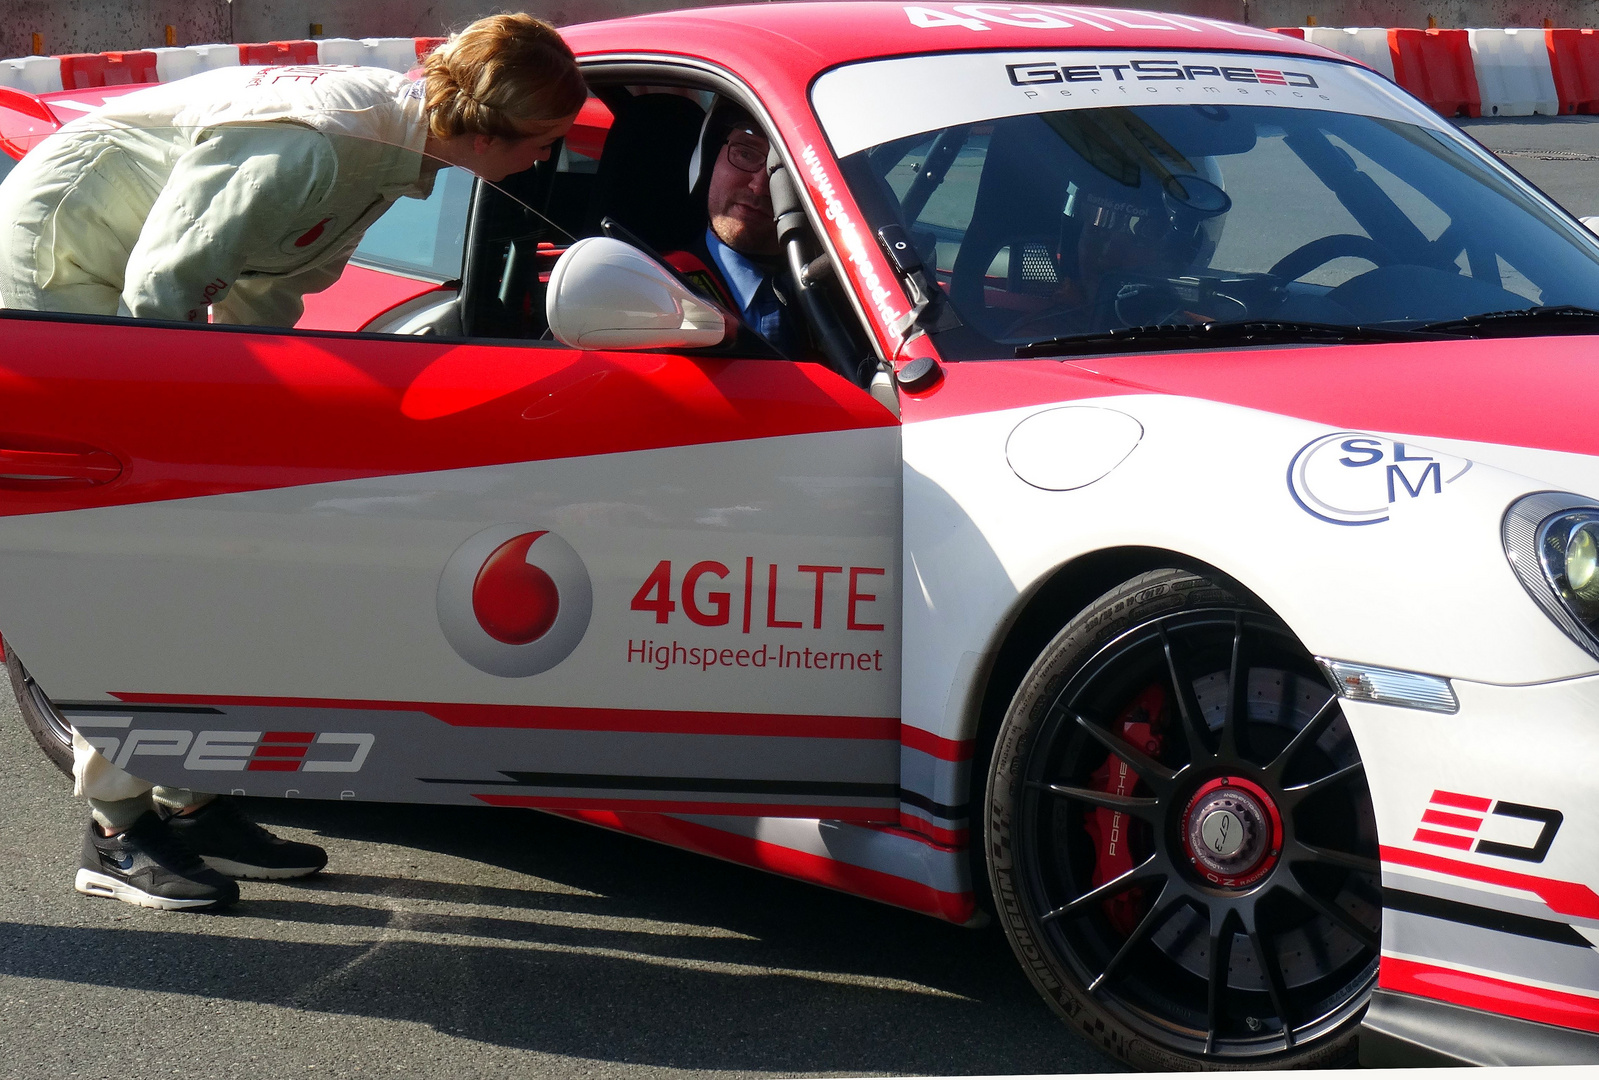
[1209,899]
[49,730]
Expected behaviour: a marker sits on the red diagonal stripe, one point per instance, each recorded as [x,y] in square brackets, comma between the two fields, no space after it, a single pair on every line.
[568,718]
[280,751]
[944,749]
[1563,897]
[876,884]
[1461,802]
[1453,821]
[257,765]
[1498,996]
[687,806]
[289,736]
[1443,839]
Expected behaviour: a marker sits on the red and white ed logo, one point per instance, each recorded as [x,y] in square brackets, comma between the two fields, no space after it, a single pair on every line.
[514,600]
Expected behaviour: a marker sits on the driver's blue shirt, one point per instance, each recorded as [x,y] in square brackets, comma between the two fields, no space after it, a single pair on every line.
[751,286]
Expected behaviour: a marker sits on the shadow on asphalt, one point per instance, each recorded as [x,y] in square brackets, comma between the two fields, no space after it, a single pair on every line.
[733,970]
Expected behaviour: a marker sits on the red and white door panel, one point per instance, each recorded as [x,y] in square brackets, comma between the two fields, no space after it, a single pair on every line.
[404,570]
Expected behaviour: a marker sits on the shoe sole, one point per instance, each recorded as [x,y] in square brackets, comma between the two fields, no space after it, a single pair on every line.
[90,883]
[229,868]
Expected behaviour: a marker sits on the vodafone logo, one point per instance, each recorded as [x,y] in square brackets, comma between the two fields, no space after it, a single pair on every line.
[302,239]
[514,600]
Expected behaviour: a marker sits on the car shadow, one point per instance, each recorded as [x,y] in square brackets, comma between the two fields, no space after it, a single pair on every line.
[620,950]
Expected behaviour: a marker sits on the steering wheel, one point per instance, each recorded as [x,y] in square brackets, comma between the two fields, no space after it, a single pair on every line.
[1323,250]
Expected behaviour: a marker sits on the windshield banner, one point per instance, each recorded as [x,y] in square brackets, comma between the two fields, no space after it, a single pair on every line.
[932,92]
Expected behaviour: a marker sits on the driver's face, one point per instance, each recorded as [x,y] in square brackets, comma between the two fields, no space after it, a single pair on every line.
[739,202]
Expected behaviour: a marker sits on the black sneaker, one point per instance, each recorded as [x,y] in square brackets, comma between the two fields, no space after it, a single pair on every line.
[232,844]
[146,864]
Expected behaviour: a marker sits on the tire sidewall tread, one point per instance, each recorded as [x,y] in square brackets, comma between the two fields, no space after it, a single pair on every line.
[1145,597]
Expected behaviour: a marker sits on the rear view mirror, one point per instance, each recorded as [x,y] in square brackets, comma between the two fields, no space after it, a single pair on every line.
[605,294]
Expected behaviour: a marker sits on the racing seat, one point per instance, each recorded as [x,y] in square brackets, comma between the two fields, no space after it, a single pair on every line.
[642,179]
[1012,213]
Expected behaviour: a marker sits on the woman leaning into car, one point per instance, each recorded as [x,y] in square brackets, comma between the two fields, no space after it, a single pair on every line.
[228,196]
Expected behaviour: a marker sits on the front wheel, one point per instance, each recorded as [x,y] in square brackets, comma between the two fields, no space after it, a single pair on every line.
[1179,835]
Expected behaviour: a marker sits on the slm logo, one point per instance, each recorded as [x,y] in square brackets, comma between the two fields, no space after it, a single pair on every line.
[1041,74]
[229,751]
[1454,820]
[1351,478]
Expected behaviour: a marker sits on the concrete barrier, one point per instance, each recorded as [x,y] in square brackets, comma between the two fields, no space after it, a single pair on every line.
[34,74]
[181,62]
[396,54]
[1436,66]
[80,71]
[1574,59]
[1368,44]
[279,52]
[1513,72]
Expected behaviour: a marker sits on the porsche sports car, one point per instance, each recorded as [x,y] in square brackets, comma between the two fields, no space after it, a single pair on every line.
[1180,538]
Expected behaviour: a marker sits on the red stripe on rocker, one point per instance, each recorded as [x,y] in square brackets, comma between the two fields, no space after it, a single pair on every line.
[1563,897]
[936,745]
[683,806]
[562,718]
[763,855]
[1497,996]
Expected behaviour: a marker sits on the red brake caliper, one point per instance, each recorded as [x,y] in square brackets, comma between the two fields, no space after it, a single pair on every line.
[1140,725]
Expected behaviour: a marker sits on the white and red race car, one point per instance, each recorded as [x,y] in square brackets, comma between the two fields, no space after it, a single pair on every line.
[1184,535]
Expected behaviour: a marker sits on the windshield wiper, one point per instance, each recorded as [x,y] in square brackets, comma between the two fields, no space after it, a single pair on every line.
[1216,335]
[1519,322]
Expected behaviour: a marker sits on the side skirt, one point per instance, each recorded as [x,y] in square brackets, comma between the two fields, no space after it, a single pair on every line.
[1406,1031]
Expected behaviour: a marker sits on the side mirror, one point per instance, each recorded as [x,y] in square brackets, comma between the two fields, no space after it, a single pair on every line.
[1591,222]
[605,294]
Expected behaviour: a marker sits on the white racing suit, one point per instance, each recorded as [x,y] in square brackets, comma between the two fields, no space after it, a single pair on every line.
[239,189]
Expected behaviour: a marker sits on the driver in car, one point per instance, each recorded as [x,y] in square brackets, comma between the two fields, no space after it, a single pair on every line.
[738,259]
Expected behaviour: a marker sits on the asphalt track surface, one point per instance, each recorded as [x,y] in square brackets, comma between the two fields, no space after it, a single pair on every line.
[449,941]
[491,943]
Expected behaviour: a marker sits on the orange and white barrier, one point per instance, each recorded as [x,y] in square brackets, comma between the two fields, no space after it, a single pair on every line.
[33,74]
[1514,73]
[1477,72]
[44,74]
[1368,44]
[176,63]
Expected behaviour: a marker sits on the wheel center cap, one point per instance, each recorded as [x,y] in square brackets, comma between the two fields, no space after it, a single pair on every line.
[1232,831]
[1222,833]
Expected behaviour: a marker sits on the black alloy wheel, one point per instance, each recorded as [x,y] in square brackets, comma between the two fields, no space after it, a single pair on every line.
[1180,838]
[48,728]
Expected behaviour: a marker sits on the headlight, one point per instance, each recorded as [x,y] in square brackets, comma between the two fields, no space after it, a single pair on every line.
[1552,540]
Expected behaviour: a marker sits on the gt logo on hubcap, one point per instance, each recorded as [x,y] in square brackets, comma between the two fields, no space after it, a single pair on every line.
[1223,833]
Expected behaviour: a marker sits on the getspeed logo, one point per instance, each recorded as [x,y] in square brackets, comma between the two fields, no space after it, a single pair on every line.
[1351,478]
[514,600]
[1153,71]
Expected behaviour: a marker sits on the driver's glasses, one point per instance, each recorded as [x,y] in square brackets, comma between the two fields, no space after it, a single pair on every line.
[746,156]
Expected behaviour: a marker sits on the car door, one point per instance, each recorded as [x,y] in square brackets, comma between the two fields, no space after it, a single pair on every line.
[433,569]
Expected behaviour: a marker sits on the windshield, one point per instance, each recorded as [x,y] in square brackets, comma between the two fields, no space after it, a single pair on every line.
[1044,207]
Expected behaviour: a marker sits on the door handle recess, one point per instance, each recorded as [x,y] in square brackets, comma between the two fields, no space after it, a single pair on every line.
[32,464]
